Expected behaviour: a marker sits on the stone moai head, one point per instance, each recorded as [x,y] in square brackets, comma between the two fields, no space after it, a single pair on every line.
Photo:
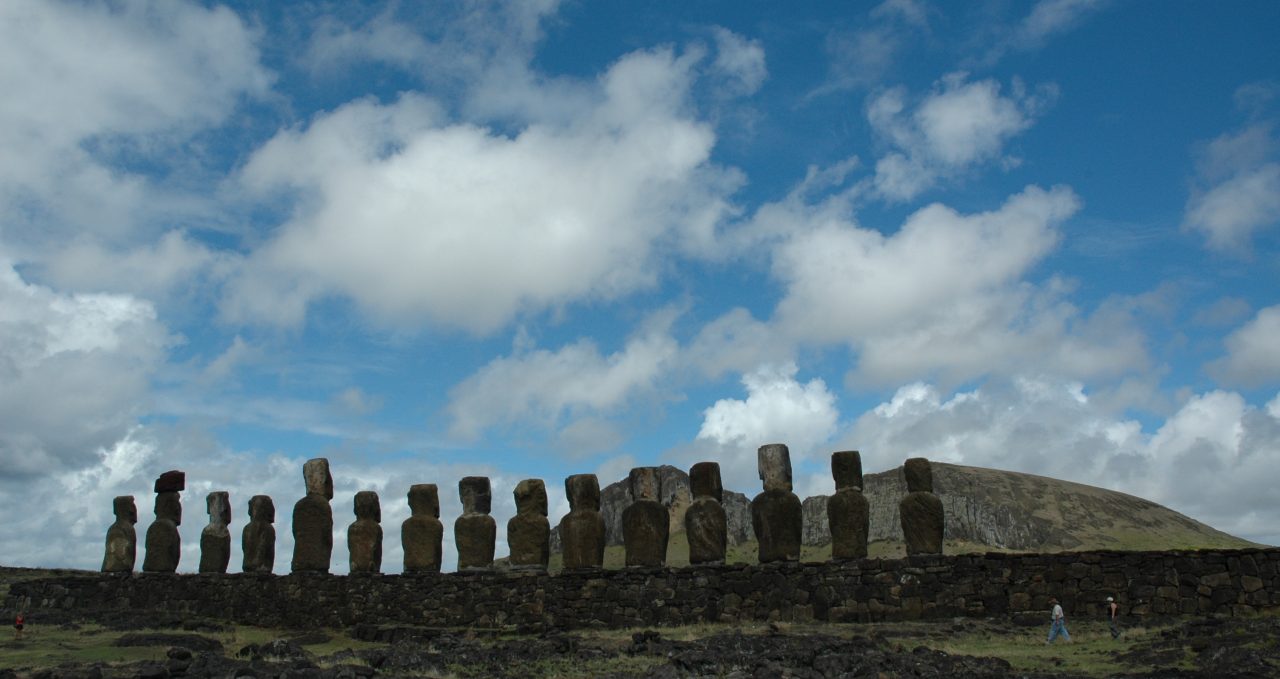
[218,504]
[367,506]
[261,508]
[315,473]
[125,509]
[704,481]
[846,468]
[424,500]
[476,495]
[644,483]
[775,466]
[919,475]
[531,497]
[583,491]
[169,506]
[171,481]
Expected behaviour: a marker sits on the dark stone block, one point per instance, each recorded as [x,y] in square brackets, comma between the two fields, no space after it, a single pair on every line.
[422,534]
[705,527]
[164,544]
[172,481]
[529,531]
[846,469]
[474,531]
[919,475]
[312,535]
[364,535]
[215,539]
[582,529]
[258,541]
[122,540]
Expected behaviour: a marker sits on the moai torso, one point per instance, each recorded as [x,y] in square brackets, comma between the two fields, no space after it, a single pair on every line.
[122,539]
[776,514]
[258,542]
[164,544]
[364,535]
[645,523]
[422,534]
[921,511]
[705,523]
[215,539]
[529,531]
[582,529]
[313,520]
[848,511]
[475,531]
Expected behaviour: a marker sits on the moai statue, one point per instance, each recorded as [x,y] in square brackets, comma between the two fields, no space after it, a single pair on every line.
[258,542]
[422,534]
[164,545]
[122,540]
[848,512]
[313,520]
[921,510]
[582,529]
[705,523]
[364,535]
[215,539]
[645,523]
[475,531]
[529,532]
[776,514]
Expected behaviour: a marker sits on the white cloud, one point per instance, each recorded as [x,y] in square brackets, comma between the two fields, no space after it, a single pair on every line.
[862,57]
[418,219]
[777,409]
[1045,20]
[85,82]
[74,371]
[545,387]
[153,270]
[739,61]
[958,125]
[737,342]
[1253,352]
[1237,190]
[1215,459]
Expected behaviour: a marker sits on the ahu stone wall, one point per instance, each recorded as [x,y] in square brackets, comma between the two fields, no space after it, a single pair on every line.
[1229,583]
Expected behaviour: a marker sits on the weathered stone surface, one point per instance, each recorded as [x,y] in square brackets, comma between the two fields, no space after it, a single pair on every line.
[215,539]
[529,531]
[474,531]
[848,511]
[776,514]
[776,517]
[705,523]
[122,540]
[582,529]
[364,535]
[164,544]
[315,473]
[846,469]
[922,523]
[422,534]
[172,481]
[645,526]
[774,462]
[258,541]
[919,475]
[313,520]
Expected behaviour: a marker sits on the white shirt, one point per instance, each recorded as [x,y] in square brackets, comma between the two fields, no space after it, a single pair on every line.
[1057,612]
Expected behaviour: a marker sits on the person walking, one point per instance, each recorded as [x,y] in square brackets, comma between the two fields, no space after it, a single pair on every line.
[1113,615]
[18,623]
[1059,623]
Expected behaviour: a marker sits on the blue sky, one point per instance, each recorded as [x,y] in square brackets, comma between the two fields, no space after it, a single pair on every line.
[429,240]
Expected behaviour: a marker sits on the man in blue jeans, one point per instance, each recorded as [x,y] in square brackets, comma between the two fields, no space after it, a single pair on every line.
[1059,626]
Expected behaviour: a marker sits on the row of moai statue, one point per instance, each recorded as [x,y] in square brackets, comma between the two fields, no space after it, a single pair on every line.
[776,517]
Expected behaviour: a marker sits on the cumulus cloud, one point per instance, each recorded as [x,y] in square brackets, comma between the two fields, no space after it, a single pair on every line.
[958,125]
[739,61]
[546,387]
[85,83]
[1253,352]
[777,409]
[862,57]
[417,218]
[74,370]
[1213,456]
